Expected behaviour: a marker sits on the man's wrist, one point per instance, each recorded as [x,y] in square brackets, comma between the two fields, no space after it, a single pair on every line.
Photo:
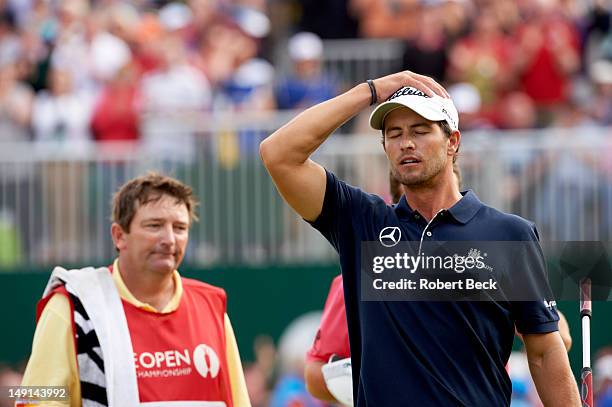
[373,93]
[361,94]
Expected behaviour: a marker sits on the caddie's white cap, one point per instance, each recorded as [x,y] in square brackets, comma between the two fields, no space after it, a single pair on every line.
[338,377]
[434,108]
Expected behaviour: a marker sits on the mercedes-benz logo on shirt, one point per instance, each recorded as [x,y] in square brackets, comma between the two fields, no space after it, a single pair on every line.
[390,236]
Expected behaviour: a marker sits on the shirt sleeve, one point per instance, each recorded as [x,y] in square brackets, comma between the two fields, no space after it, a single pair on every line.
[332,336]
[537,313]
[335,222]
[53,359]
[240,396]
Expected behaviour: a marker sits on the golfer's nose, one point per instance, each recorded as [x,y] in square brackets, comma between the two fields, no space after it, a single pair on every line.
[406,142]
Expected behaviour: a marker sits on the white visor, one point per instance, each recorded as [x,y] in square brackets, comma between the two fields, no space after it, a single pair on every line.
[434,108]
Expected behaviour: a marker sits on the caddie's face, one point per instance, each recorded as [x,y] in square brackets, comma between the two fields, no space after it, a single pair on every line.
[417,148]
[158,236]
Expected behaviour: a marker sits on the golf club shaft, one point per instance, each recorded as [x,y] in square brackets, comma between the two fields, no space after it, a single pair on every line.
[586,391]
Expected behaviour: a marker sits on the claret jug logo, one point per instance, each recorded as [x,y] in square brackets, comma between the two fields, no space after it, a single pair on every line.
[206,361]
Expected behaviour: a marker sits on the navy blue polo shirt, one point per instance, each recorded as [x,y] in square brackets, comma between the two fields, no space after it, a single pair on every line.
[410,353]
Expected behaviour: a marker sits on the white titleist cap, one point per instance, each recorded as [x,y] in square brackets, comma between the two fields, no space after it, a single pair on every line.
[434,108]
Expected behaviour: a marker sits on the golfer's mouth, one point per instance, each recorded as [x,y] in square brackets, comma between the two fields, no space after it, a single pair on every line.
[409,161]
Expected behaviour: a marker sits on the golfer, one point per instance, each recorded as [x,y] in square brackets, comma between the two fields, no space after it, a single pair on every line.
[417,353]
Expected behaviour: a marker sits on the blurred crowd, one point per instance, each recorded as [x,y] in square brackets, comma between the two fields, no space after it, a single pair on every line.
[509,64]
[79,70]
[106,69]
[153,71]
[519,64]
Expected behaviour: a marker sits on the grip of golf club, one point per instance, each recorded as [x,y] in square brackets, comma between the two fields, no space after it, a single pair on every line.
[586,390]
[586,305]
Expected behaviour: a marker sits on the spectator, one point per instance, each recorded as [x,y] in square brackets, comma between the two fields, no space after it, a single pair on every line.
[250,88]
[427,52]
[261,375]
[219,49]
[597,32]
[205,14]
[9,40]
[60,120]
[308,84]
[62,114]
[169,96]
[329,19]
[387,19]
[291,390]
[115,127]
[603,377]
[250,85]
[515,111]
[122,21]
[15,102]
[71,51]
[18,185]
[115,116]
[482,58]
[469,105]
[149,33]
[176,18]
[455,17]
[547,57]
[601,103]
[37,41]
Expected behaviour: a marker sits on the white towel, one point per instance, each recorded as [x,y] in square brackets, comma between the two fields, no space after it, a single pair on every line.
[98,294]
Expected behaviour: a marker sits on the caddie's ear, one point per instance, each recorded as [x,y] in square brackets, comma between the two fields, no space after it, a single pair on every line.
[119,236]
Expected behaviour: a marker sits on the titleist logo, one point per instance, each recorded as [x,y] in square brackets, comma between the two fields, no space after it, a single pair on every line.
[407,91]
[449,117]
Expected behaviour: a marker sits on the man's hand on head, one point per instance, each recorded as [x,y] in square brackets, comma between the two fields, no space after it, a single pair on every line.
[386,85]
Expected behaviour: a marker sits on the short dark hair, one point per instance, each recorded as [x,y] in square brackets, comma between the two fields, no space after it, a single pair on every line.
[149,188]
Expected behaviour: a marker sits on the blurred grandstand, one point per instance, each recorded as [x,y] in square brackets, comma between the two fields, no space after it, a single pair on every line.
[94,92]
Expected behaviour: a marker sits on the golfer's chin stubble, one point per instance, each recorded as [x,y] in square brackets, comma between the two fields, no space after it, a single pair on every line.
[414,176]
[420,175]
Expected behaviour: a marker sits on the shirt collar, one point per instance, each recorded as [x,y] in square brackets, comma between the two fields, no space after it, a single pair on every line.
[125,294]
[462,211]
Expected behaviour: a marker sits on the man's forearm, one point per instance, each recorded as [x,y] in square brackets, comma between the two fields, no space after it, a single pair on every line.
[315,383]
[553,378]
[297,140]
